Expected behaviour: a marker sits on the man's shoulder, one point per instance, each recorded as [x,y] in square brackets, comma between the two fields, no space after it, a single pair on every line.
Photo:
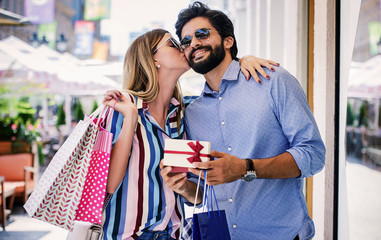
[189,99]
[279,73]
[280,77]
[193,103]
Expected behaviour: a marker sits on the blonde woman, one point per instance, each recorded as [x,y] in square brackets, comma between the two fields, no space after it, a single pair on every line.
[142,206]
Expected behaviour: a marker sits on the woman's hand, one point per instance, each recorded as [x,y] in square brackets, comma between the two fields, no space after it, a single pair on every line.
[180,184]
[175,181]
[250,65]
[122,104]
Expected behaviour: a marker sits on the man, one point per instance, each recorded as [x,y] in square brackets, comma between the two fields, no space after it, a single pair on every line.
[264,137]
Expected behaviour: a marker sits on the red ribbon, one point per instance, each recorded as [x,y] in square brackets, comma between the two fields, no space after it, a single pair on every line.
[195,154]
[197,149]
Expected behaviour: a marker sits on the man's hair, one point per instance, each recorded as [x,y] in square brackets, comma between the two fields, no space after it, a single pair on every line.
[218,19]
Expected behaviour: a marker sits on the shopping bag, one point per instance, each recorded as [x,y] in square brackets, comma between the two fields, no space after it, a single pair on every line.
[86,231]
[56,196]
[94,191]
[210,224]
[89,231]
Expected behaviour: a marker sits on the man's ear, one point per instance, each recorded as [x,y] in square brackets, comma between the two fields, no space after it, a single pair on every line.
[228,42]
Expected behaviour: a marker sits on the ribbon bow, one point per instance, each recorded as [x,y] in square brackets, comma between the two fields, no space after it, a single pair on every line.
[196,155]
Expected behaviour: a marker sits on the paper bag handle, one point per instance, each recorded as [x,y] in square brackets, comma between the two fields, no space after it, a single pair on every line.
[205,200]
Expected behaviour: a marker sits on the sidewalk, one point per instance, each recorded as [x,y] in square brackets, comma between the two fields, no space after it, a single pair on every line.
[364,210]
[20,226]
[364,196]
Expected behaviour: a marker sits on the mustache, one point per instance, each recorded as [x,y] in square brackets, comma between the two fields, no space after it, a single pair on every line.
[202,47]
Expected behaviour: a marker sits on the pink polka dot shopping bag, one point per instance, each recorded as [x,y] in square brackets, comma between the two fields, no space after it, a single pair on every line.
[91,204]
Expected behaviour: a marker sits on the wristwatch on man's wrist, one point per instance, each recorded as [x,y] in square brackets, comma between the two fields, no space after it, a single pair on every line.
[250,171]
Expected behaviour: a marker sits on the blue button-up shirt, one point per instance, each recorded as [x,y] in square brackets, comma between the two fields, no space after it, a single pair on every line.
[251,120]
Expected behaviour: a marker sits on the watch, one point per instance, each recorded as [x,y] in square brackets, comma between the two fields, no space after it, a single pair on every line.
[250,171]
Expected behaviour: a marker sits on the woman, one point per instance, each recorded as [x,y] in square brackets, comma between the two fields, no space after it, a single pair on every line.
[142,206]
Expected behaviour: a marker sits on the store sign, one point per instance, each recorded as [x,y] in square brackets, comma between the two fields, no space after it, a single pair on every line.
[39,11]
[84,38]
[97,9]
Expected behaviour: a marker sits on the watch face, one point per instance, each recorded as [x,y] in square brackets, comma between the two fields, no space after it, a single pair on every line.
[250,176]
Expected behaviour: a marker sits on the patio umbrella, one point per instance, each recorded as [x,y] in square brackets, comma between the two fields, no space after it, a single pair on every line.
[47,68]
[365,80]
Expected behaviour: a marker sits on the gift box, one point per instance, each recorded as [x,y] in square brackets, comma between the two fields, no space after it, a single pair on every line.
[180,154]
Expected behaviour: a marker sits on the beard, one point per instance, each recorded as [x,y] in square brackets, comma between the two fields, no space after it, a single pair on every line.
[213,60]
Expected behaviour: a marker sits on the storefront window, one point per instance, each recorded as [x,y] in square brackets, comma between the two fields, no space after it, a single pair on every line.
[363,132]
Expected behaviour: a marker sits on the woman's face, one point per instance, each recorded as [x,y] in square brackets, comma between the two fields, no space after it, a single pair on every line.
[169,55]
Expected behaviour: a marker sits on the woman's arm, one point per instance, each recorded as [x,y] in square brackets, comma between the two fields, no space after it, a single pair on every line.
[121,150]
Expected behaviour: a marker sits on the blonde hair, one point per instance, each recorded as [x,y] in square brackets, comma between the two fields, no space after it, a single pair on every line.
[140,76]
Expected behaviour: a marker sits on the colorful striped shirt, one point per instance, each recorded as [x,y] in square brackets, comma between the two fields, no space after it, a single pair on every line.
[142,200]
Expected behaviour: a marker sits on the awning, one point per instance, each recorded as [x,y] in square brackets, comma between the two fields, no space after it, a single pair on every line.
[10,18]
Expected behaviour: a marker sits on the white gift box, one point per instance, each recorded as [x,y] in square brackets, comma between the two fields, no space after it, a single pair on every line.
[180,154]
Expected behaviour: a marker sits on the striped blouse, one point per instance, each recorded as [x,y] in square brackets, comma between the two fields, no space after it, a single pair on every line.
[142,200]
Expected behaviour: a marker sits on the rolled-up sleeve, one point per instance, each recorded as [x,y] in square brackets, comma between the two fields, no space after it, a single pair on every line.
[298,124]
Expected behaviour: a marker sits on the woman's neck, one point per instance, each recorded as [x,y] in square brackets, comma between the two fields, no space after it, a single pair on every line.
[160,105]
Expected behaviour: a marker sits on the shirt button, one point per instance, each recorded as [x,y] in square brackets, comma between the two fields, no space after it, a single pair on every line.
[229,149]
[231,200]
[222,123]
[234,226]
[220,98]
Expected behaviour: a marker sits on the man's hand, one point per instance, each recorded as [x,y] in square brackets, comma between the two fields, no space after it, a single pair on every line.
[224,169]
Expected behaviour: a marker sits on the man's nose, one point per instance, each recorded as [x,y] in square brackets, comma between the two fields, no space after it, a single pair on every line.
[195,42]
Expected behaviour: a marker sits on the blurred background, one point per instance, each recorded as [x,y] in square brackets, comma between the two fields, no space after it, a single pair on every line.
[58,57]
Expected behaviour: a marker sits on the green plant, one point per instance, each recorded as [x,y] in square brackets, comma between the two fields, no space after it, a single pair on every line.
[41,156]
[5,102]
[21,130]
[363,118]
[78,111]
[379,116]
[61,116]
[25,112]
[95,106]
[350,115]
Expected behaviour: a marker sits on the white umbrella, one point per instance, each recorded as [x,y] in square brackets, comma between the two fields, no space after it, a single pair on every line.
[47,67]
[365,81]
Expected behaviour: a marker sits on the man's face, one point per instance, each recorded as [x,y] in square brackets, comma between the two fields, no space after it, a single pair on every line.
[204,54]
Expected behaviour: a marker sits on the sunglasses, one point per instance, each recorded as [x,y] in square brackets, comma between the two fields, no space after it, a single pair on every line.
[174,42]
[202,33]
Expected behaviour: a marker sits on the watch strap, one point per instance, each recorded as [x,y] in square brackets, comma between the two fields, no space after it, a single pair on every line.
[249,165]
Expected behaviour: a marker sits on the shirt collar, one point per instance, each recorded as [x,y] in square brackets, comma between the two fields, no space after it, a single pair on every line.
[231,74]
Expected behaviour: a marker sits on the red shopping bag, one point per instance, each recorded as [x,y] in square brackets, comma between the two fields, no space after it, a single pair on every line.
[91,203]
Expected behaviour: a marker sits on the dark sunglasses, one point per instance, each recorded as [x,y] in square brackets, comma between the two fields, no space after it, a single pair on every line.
[202,33]
[174,42]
